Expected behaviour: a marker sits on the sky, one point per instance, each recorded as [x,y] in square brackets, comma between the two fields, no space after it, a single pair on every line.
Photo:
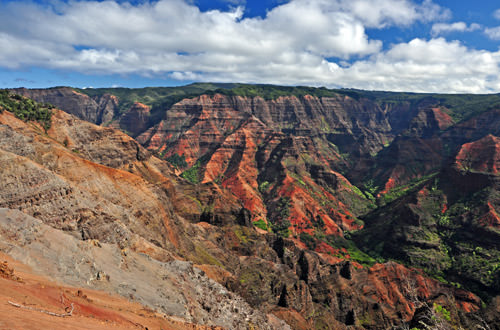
[441,46]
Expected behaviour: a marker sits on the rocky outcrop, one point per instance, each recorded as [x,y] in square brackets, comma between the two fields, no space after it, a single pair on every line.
[480,156]
[37,302]
[485,122]
[136,119]
[55,184]
[99,111]
[174,288]
[341,294]
[8,272]
[350,124]
[446,224]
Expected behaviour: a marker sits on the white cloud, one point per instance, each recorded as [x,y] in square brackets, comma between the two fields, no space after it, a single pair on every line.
[496,14]
[292,44]
[443,28]
[493,33]
[380,13]
[163,29]
[435,65]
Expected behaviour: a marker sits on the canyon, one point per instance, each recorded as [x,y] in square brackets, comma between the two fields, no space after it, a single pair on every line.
[255,206]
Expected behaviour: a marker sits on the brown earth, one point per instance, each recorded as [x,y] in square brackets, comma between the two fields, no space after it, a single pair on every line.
[90,309]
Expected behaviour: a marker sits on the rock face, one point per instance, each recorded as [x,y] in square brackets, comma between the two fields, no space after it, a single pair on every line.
[243,211]
[273,154]
[356,126]
[98,111]
[36,301]
[136,118]
[446,224]
[482,155]
[173,288]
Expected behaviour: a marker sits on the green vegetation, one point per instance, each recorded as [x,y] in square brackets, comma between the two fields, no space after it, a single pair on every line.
[160,99]
[281,228]
[461,106]
[402,190]
[261,224]
[281,224]
[271,92]
[357,191]
[242,234]
[352,250]
[445,314]
[250,277]
[299,180]
[151,96]
[179,161]
[478,264]
[308,240]
[26,109]
[447,239]
[264,186]
[193,173]
[202,256]
[283,207]
[370,188]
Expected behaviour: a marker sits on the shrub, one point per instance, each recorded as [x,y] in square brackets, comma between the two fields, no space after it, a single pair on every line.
[283,207]
[192,174]
[308,240]
[281,228]
[264,186]
[260,224]
[443,312]
[26,109]
[178,161]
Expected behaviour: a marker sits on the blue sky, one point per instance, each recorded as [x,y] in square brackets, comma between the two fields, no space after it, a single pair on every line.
[400,45]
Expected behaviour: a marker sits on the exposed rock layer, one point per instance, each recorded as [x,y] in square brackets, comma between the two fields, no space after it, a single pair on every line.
[269,162]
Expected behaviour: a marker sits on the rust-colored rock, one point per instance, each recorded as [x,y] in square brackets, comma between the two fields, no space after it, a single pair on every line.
[482,155]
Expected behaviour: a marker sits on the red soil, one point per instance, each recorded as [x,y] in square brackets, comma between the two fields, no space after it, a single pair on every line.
[443,119]
[482,155]
[92,309]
